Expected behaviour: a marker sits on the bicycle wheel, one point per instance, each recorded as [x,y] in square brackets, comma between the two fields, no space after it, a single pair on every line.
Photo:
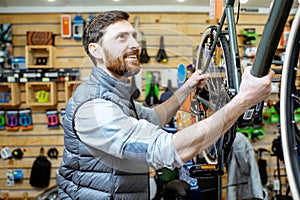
[289,102]
[217,91]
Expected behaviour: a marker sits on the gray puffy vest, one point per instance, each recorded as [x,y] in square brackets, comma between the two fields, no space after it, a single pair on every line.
[81,176]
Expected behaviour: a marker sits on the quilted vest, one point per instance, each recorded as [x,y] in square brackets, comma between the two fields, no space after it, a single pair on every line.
[81,176]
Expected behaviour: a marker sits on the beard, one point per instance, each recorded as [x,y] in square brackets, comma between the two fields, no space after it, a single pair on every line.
[123,65]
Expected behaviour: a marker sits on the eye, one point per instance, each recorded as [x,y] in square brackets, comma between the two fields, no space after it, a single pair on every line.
[123,36]
[134,35]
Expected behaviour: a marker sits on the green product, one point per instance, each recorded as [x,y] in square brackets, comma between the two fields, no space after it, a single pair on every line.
[253,132]
[149,78]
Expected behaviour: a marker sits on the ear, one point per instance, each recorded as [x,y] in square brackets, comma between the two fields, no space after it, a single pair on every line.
[96,51]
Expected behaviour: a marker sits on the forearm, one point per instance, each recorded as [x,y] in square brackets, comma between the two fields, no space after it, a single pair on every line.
[168,109]
[192,140]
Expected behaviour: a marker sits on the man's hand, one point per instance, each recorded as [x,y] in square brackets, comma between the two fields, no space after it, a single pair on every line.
[254,90]
[197,79]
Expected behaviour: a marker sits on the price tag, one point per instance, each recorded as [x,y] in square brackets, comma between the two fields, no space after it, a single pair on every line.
[276,185]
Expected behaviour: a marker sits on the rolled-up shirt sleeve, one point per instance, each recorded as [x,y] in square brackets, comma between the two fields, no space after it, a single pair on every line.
[103,125]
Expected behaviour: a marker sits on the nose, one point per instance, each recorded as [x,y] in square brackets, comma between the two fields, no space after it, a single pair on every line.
[133,44]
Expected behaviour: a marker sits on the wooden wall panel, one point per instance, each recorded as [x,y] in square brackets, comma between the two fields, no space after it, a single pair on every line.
[181,32]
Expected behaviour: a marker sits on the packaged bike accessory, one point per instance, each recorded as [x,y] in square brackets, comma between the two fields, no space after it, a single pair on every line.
[181,74]
[65,26]
[2,119]
[40,60]
[17,154]
[18,175]
[40,172]
[78,26]
[62,115]
[18,62]
[6,153]
[52,118]
[25,119]
[5,97]
[250,36]
[42,96]
[39,38]
[6,50]
[10,181]
[161,54]
[12,120]
[88,19]
[52,153]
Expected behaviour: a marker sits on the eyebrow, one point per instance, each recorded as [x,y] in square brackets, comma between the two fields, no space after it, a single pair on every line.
[126,32]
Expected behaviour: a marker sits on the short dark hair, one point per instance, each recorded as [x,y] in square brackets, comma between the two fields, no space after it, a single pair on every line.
[94,30]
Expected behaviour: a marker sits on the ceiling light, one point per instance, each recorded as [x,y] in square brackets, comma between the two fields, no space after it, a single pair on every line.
[243,1]
[116,0]
[180,1]
[51,0]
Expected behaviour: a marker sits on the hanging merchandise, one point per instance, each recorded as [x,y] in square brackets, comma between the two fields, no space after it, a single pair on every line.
[17,153]
[152,89]
[152,98]
[250,36]
[42,96]
[181,74]
[12,120]
[6,48]
[52,118]
[5,97]
[161,54]
[5,33]
[25,119]
[10,181]
[285,36]
[40,171]
[40,38]
[262,166]
[18,62]
[144,57]
[65,26]
[88,19]
[62,115]
[78,26]
[52,153]
[2,119]
[6,153]
[135,92]
[18,175]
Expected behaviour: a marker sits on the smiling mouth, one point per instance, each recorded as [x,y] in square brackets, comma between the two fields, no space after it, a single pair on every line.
[132,59]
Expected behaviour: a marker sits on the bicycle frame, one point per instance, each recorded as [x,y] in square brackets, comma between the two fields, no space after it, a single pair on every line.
[271,36]
[265,52]
[234,49]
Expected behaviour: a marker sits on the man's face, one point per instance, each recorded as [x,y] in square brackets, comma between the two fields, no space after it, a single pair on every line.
[121,50]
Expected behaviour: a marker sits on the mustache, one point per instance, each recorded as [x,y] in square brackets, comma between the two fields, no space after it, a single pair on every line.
[135,52]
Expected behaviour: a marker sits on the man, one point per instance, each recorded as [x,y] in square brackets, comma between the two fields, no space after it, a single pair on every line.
[111,141]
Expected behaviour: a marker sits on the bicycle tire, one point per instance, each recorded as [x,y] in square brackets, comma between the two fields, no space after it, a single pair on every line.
[290,129]
[216,90]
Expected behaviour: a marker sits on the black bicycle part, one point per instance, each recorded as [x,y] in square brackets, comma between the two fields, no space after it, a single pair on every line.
[216,91]
[271,36]
[292,102]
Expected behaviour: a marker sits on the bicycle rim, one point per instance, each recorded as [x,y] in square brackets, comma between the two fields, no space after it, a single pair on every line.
[289,102]
[215,95]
